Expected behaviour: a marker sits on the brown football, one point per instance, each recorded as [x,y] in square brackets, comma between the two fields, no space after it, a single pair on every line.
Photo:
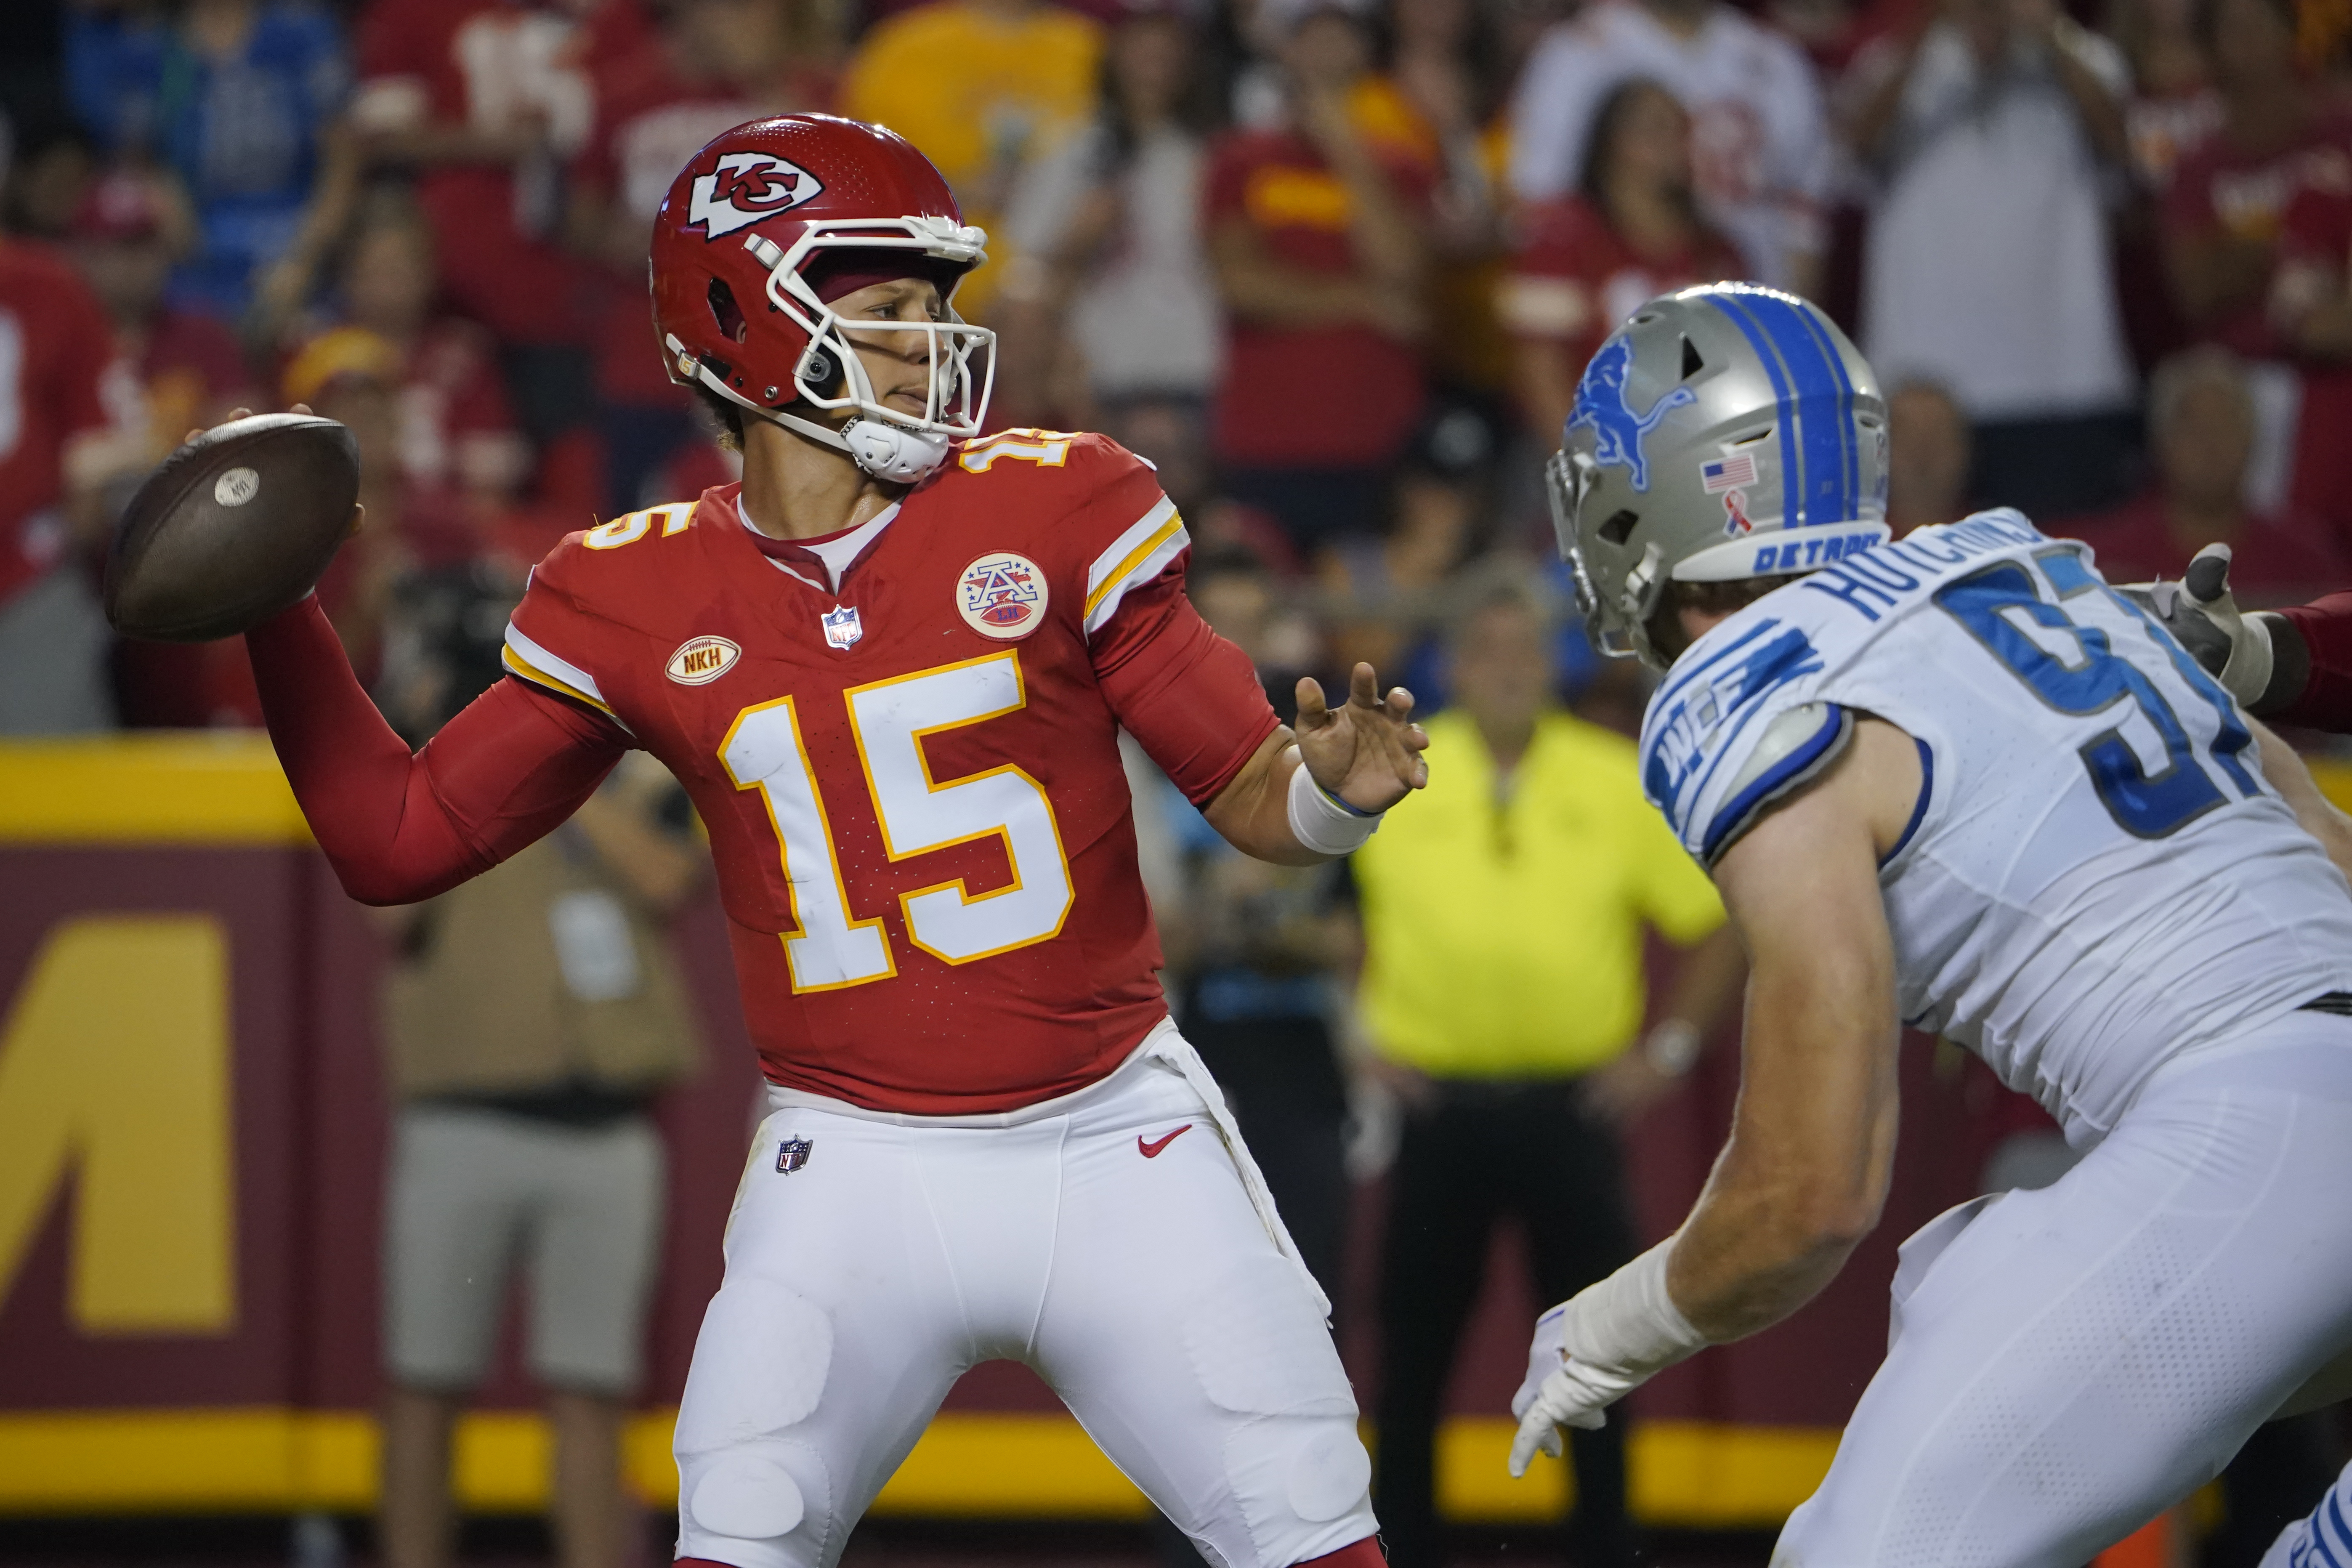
[233,528]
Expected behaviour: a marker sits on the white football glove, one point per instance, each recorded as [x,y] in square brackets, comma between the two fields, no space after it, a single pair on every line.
[1595,1347]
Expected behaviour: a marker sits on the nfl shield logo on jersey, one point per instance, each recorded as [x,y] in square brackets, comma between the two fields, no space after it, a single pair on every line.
[792,1154]
[841,628]
[1001,596]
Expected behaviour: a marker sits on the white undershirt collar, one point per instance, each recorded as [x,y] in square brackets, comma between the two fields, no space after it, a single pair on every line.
[837,552]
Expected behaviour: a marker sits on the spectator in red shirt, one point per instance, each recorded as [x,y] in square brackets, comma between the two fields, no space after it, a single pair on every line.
[71,425]
[193,372]
[126,234]
[461,459]
[1315,238]
[485,99]
[1586,262]
[2311,310]
[2229,196]
[716,64]
[2201,434]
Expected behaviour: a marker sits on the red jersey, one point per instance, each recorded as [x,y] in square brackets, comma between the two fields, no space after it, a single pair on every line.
[2274,560]
[1333,396]
[60,377]
[911,781]
[1571,280]
[2216,187]
[487,63]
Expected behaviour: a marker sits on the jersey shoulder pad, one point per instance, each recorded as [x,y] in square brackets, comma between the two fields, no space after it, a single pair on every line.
[591,583]
[1739,723]
[1105,503]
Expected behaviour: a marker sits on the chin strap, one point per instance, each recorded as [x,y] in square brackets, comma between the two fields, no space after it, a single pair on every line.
[889,452]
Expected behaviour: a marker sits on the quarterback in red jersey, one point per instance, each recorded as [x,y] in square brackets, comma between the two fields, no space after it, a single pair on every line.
[890,667]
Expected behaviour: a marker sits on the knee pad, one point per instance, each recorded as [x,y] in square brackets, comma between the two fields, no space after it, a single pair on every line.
[759,1505]
[1300,1479]
[745,1482]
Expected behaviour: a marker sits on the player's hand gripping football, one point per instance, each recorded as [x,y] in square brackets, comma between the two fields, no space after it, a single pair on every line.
[1368,750]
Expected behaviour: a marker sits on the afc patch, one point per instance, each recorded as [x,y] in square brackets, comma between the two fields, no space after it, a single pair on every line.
[1001,596]
[792,1154]
[842,627]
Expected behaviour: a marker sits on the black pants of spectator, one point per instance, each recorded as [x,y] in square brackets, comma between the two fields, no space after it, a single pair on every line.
[638,439]
[1485,1151]
[1313,506]
[1282,1079]
[2056,467]
[552,387]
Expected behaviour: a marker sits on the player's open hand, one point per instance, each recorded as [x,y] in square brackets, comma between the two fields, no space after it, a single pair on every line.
[1368,750]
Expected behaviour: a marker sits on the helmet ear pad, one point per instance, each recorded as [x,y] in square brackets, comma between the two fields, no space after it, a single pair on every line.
[820,373]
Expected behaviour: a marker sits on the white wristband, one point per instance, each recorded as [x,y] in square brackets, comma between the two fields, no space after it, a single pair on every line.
[1324,822]
[1627,1323]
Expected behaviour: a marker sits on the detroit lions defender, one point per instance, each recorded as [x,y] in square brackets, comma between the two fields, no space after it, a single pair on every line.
[1957,783]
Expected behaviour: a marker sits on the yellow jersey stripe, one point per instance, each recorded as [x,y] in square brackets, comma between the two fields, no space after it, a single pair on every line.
[514,662]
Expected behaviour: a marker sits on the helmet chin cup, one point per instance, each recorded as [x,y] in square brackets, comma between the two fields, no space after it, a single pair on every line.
[892,452]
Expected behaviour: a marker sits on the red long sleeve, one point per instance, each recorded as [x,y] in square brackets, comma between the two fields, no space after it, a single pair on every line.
[2327,700]
[1189,697]
[399,827]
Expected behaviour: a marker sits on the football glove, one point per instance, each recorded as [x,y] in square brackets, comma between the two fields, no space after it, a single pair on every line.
[2202,615]
[1595,1347]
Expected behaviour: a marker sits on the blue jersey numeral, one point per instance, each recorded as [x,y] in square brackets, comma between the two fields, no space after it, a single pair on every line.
[1990,602]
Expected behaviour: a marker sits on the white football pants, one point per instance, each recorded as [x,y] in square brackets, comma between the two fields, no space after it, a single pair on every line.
[1117,1240]
[2065,1364]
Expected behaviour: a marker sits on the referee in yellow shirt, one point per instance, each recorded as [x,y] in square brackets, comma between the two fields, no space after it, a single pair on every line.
[1503,995]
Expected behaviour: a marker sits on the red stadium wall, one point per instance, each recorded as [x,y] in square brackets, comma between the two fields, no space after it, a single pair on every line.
[188,1273]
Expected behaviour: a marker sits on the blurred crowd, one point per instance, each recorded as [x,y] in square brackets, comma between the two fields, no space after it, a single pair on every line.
[1335,266]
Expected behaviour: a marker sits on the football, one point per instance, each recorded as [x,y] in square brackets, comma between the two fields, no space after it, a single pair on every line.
[232,527]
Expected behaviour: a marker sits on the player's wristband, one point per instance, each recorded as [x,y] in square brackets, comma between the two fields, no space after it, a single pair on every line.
[1322,821]
[1627,1323]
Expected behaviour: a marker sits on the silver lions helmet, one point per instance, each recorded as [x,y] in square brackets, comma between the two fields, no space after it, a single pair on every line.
[1727,431]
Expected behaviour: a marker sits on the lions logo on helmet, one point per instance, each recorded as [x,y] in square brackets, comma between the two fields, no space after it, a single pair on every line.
[1601,408]
[1759,451]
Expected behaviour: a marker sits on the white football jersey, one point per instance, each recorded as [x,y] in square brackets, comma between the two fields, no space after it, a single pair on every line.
[2096,881]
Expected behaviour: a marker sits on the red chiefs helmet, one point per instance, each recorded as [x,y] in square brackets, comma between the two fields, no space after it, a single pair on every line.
[749,248]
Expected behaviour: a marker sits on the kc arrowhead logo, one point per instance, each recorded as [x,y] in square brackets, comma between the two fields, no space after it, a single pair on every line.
[745,188]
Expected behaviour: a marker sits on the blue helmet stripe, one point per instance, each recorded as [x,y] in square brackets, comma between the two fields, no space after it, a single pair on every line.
[1784,418]
[1816,407]
[1850,476]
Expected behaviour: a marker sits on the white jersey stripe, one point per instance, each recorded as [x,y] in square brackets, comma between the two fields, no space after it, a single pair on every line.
[1134,558]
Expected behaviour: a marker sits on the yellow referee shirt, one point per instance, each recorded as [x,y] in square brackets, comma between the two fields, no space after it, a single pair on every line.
[1503,934]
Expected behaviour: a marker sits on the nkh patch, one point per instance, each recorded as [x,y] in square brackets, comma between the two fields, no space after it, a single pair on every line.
[841,626]
[792,1153]
[1734,472]
[1001,596]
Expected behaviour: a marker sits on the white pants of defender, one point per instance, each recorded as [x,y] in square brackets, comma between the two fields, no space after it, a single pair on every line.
[1152,1293]
[2065,1364]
